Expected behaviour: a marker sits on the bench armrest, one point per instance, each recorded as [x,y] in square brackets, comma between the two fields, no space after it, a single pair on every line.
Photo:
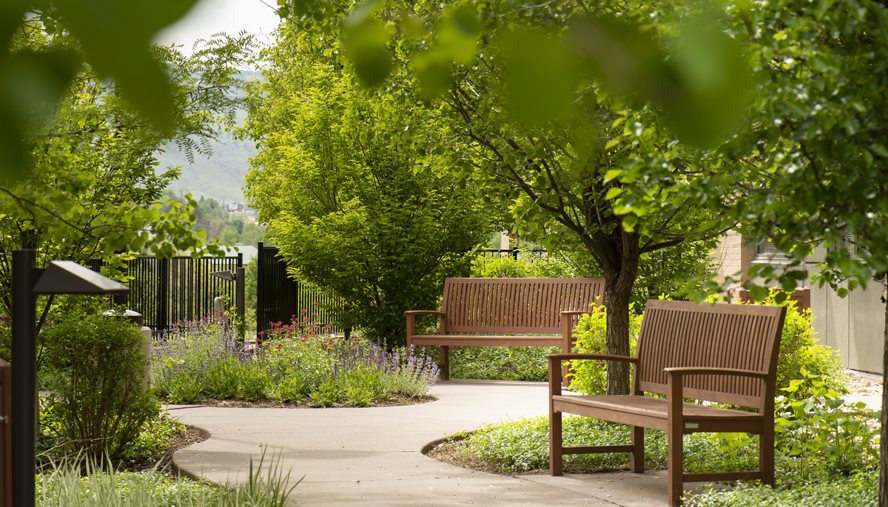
[411,323]
[423,312]
[573,312]
[676,387]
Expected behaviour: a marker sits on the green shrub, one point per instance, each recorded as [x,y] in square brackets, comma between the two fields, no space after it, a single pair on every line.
[827,436]
[98,391]
[364,385]
[590,377]
[329,393]
[254,381]
[184,389]
[223,379]
[289,389]
[527,266]
[799,350]
[155,438]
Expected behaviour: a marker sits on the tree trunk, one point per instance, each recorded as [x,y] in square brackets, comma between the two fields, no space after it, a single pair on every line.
[883,444]
[616,300]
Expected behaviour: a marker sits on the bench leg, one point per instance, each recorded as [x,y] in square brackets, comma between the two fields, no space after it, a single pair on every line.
[556,459]
[675,462]
[444,363]
[766,456]
[637,463]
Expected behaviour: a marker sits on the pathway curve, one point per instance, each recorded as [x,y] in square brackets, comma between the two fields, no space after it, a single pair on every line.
[372,456]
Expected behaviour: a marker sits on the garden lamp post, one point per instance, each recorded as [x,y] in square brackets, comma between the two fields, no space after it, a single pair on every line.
[59,277]
[238,276]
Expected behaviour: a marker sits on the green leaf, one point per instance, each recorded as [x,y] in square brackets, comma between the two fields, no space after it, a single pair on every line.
[116,38]
[33,83]
[433,71]
[629,222]
[879,150]
[459,32]
[613,192]
[612,174]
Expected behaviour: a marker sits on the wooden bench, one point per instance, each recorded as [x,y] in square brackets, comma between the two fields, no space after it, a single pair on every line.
[721,353]
[537,312]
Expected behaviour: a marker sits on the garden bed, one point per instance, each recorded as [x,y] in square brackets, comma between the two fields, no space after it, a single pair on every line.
[392,401]
[290,365]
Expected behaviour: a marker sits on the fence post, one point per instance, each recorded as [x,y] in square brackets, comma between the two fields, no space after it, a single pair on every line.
[163,296]
[260,293]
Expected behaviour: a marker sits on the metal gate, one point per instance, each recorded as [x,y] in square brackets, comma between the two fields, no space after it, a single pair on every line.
[167,291]
[279,298]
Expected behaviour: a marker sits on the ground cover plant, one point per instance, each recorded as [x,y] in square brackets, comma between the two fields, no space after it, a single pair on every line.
[292,363]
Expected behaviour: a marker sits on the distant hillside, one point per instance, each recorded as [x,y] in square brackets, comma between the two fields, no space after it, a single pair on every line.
[220,176]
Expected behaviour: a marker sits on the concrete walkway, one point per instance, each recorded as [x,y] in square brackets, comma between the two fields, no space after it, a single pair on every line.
[372,456]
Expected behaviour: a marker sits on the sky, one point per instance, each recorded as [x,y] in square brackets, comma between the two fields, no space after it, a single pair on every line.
[231,16]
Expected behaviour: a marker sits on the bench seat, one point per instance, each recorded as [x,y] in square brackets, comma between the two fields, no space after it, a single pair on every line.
[629,409]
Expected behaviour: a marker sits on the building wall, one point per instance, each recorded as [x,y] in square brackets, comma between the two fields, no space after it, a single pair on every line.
[854,325]
[731,256]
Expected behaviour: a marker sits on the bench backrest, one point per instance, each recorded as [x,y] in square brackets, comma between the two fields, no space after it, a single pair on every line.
[515,305]
[677,333]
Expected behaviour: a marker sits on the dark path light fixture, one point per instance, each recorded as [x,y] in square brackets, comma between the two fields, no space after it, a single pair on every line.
[59,277]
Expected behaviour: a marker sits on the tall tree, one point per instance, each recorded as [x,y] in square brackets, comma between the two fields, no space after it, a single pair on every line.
[354,185]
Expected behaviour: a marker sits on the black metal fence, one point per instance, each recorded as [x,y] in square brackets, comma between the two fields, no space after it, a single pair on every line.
[167,291]
[516,253]
[280,298]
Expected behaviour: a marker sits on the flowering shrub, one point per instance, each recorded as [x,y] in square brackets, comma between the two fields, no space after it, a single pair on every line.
[293,362]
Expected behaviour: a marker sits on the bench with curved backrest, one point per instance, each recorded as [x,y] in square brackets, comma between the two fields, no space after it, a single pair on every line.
[720,353]
[475,312]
